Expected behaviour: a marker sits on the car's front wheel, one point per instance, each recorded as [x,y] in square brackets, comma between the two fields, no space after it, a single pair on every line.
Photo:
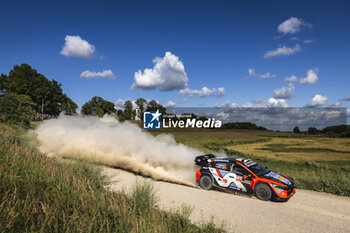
[263,192]
[205,182]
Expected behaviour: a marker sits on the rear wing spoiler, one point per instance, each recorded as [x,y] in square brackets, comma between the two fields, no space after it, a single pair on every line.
[202,160]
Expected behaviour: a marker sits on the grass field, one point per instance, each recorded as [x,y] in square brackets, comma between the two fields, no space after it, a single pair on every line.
[314,162]
[40,194]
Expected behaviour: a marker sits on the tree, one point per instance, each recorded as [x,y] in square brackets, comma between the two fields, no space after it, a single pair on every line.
[242,125]
[296,129]
[128,110]
[140,102]
[154,106]
[203,118]
[313,130]
[120,115]
[98,106]
[67,105]
[2,82]
[24,80]
[16,109]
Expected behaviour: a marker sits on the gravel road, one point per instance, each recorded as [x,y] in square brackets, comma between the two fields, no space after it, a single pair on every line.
[306,211]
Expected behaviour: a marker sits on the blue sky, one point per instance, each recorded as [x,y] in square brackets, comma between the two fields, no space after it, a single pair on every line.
[210,45]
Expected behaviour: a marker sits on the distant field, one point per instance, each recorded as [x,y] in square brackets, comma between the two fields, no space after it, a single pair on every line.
[207,139]
[274,145]
[314,162]
[296,149]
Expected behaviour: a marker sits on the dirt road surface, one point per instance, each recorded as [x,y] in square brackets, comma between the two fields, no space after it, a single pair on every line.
[306,211]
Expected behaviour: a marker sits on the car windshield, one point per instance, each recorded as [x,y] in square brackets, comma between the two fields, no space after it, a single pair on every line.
[258,169]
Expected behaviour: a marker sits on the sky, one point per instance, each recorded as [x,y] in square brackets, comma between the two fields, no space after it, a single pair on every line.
[185,53]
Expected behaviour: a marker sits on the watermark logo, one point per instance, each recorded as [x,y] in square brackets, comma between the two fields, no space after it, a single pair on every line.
[152,120]
[157,120]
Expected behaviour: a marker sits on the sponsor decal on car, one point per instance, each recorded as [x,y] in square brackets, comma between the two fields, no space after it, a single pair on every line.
[278,177]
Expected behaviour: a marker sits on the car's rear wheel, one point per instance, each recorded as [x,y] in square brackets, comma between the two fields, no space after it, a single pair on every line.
[263,192]
[205,182]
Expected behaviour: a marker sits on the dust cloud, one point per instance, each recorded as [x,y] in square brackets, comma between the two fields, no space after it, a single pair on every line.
[122,145]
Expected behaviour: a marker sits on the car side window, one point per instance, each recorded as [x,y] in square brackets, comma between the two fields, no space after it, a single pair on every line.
[221,165]
[232,167]
[238,169]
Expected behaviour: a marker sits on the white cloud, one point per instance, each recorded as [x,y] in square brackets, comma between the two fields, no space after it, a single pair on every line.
[292,25]
[282,51]
[339,103]
[204,92]
[251,73]
[292,78]
[74,46]
[119,104]
[347,98]
[169,104]
[107,74]
[317,100]
[227,104]
[259,103]
[309,41]
[223,115]
[294,38]
[221,92]
[311,77]
[336,104]
[268,75]
[167,74]
[270,103]
[284,92]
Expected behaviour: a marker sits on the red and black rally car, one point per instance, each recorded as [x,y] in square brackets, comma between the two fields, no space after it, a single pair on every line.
[243,175]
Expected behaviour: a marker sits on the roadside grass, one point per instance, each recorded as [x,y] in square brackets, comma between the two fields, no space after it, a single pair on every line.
[40,194]
[34,124]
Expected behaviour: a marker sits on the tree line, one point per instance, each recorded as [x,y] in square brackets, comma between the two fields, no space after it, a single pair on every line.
[24,93]
[332,131]
[97,106]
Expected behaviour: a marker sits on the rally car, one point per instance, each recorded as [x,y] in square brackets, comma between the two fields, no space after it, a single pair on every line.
[243,175]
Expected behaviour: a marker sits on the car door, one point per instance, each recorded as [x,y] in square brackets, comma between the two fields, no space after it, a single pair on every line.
[236,176]
[220,171]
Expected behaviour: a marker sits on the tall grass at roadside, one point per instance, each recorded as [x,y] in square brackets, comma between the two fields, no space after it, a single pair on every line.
[40,194]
